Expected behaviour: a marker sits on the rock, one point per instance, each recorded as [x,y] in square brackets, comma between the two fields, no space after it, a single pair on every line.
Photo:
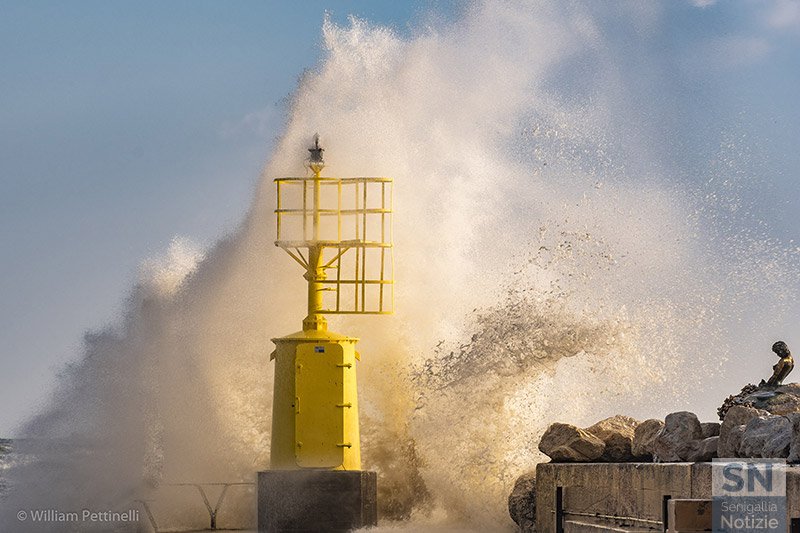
[794,446]
[702,450]
[740,415]
[736,399]
[782,400]
[673,441]
[710,429]
[733,440]
[616,433]
[644,438]
[779,446]
[567,443]
[522,502]
[732,429]
[766,437]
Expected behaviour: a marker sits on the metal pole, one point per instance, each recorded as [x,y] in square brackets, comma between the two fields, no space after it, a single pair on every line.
[316,272]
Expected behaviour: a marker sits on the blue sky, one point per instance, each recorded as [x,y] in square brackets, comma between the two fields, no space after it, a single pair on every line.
[124,124]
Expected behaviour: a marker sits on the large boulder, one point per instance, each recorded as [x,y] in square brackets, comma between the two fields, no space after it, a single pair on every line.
[644,438]
[732,429]
[732,441]
[710,429]
[567,443]
[674,440]
[617,434]
[701,450]
[522,502]
[766,437]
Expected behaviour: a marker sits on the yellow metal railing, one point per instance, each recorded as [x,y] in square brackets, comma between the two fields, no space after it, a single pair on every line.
[344,227]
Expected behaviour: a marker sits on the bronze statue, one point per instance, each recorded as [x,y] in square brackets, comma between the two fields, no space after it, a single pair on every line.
[754,396]
[783,367]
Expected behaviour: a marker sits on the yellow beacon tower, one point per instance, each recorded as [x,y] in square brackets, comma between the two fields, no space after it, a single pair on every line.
[339,231]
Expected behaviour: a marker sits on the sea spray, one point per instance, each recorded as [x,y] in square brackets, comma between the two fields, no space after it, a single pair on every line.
[552,263]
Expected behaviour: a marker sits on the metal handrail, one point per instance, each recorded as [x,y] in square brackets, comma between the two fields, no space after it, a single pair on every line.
[614,517]
[561,513]
[331,179]
[212,511]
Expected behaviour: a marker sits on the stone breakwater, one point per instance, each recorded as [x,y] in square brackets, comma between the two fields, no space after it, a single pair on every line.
[759,422]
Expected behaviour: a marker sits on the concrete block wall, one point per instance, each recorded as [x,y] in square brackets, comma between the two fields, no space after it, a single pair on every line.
[633,490]
[636,491]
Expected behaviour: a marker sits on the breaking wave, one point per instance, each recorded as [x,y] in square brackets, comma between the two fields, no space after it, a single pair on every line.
[552,263]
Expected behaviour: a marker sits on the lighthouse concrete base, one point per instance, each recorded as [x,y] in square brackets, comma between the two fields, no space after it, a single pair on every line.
[300,501]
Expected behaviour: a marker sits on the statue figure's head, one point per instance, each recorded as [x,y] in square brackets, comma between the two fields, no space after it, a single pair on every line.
[781,349]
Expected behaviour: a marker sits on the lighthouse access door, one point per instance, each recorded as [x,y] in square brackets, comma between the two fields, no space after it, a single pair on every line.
[319,413]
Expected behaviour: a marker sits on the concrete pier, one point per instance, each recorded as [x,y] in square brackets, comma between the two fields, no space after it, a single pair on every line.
[629,497]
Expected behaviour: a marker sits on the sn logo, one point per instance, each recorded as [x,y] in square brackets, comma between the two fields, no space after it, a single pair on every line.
[735,479]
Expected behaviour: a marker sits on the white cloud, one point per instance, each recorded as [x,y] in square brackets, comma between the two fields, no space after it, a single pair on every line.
[703,3]
[783,15]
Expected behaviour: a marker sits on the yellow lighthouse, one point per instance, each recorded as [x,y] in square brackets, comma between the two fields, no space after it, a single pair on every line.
[339,231]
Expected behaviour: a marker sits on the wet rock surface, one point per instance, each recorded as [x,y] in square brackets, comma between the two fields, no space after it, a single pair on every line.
[701,450]
[644,438]
[674,441]
[617,434]
[760,422]
[710,429]
[619,439]
[745,432]
[794,446]
[568,443]
[732,428]
[766,437]
[522,502]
